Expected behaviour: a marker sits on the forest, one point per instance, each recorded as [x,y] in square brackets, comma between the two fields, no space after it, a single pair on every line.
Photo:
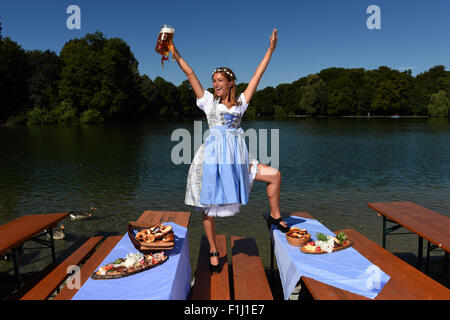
[95,79]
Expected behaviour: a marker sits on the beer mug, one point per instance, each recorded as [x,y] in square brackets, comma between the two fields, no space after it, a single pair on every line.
[164,42]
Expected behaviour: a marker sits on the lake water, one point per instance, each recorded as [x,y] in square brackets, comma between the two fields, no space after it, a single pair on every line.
[331,168]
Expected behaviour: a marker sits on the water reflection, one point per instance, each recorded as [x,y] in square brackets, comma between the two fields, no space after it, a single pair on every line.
[331,167]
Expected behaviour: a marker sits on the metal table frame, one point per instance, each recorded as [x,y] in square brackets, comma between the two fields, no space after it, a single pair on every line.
[45,243]
[430,247]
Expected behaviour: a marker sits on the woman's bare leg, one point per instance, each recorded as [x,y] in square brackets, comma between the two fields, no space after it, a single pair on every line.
[273,178]
[210,231]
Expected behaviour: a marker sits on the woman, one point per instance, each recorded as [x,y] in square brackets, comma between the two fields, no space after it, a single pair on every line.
[222,172]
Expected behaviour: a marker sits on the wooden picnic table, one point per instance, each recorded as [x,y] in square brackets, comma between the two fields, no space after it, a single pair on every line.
[28,228]
[149,217]
[426,223]
[406,282]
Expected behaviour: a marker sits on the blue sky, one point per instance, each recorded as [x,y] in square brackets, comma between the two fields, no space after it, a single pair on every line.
[313,35]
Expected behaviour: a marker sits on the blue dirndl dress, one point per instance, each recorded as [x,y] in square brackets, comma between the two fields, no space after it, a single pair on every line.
[219,178]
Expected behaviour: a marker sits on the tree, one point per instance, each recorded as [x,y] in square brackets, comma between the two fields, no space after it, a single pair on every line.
[312,96]
[14,72]
[439,105]
[100,74]
[43,82]
[188,100]
[167,99]
[391,92]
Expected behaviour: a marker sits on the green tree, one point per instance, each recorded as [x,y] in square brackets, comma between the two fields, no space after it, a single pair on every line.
[188,100]
[439,105]
[312,96]
[43,82]
[14,72]
[100,74]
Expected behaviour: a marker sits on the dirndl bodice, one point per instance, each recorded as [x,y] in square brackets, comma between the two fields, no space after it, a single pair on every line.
[219,181]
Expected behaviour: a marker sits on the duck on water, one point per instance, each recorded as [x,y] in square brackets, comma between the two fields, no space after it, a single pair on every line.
[58,234]
[78,215]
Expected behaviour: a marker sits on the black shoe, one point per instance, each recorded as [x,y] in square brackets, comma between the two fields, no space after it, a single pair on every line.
[214,268]
[276,222]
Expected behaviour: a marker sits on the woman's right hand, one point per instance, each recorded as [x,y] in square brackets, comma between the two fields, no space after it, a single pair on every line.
[174,51]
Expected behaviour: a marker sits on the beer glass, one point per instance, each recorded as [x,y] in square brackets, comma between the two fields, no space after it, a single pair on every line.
[164,42]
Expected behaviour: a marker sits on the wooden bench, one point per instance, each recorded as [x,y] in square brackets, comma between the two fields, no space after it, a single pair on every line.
[90,266]
[209,286]
[249,278]
[51,282]
[406,282]
[427,224]
[249,281]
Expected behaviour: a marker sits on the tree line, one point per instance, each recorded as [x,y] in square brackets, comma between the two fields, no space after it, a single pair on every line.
[95,79]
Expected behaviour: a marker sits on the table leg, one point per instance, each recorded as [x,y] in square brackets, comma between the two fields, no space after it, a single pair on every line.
[428,256]
[384,232]
[446,261]
[52,244]
[420,252]
[16,266]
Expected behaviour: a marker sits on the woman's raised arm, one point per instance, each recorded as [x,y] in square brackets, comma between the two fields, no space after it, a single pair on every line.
[195,84]
[253,84]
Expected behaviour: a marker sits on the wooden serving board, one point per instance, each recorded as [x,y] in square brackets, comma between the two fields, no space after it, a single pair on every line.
[347,245]
[95,276]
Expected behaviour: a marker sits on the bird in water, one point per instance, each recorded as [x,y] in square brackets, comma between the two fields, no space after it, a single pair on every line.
[58,234]
[76,215]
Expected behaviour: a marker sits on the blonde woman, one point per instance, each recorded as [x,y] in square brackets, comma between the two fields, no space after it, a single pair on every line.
[222,172]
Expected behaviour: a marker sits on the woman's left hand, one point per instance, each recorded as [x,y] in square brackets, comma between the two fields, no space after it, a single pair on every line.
[273,39]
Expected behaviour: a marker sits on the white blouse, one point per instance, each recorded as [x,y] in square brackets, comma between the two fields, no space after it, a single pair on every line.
[207,101]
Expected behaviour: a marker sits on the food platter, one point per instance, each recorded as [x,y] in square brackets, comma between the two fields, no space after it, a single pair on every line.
[149,238]
[297,237]
[132,264]
[327,244]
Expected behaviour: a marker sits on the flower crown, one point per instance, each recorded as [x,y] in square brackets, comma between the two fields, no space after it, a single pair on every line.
[224,70]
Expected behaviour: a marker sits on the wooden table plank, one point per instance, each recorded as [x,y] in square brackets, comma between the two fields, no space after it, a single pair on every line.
[46,286]
[424,222]
[90,266]
[303,215]
[406,282]
[249,277]
[22,229]
[212,286]
[181,218]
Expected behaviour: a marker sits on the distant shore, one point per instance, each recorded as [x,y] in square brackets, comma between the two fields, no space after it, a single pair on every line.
[305,115]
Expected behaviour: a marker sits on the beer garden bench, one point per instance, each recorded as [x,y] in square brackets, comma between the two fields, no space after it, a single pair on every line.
[425,223]
[51,282]
[248,280]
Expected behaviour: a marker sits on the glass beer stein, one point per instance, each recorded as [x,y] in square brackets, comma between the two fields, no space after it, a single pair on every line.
[164,42]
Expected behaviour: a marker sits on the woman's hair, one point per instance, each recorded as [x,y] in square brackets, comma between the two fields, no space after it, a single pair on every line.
[227,73]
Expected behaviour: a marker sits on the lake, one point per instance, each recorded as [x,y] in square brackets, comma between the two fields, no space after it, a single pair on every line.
[331,168]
